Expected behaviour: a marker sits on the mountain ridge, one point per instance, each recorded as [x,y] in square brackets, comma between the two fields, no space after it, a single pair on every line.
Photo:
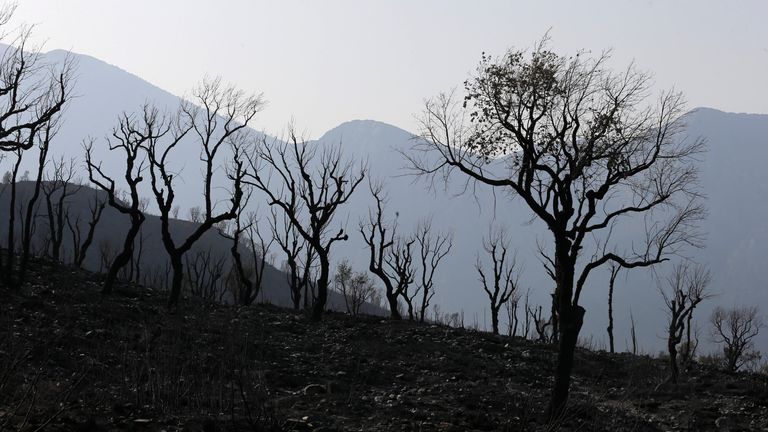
[731,174]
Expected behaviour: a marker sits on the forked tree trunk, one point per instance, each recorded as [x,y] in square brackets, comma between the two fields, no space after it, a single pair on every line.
[394,309]
[122,259]
[571,318]
[674,371]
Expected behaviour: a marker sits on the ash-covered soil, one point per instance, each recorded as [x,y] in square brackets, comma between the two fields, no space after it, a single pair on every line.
[72,359]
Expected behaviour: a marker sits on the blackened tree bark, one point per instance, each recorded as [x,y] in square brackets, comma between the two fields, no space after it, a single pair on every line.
[615,269]
[400,266]
[433,247]
[129,137]
[216,118]
[57,188]
[736,329]
[292,244]
[504,279]
[686,287]
[80,246]
[11,235]
[585,150]
[310,187]
[380,242]
[32,94]
[44,144]
[258,248]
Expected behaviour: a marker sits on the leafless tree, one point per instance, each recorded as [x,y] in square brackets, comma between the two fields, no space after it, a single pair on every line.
[633,333]
[343,281]
[585,148]
[58,187]
[686,288]
[308,186]
[206,274]
[11,238]
[106,254]
[362,290]
[542,326]
[512,307]
[216,117]
[356,288]
[44,143]
[502,283]
[250,278]
[433,247]
[195,214]
[32,92]
[736,329]
[80,246]
[292,244]
[380,238]
[401,269]
[615,269]
[131,136]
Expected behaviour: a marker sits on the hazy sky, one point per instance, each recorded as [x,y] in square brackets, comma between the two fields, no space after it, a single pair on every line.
[325,62]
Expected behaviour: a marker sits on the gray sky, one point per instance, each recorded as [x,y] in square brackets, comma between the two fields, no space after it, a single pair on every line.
[326,62]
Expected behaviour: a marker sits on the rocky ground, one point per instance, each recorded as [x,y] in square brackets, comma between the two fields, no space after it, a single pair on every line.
[71,359]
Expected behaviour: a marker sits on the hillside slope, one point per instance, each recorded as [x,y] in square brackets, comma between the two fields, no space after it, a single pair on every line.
[79,361]
[733,179]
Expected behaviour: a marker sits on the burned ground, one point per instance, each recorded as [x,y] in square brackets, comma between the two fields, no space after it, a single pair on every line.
[71,359]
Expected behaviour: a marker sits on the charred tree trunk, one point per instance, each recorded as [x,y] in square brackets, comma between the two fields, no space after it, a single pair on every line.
[10,261]
[495,320]
[570,326]
[318,307]
[611,284]
[177,266]
[394,307]
[571,317]
[124,257]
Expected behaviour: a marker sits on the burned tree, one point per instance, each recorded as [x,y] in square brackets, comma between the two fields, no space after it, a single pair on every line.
[585,149]
[44,143]
[130,137]
[433,247]
[257,247]
[311,185]
[31,93]
[216,118]
[615,269]
[686,289]
[399,261]
[80,246]
[291,243]
[735,329]
[57,189]
[504,279]
[11,235]
[380,243]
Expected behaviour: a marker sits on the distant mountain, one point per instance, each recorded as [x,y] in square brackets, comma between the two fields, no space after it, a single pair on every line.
[734,178]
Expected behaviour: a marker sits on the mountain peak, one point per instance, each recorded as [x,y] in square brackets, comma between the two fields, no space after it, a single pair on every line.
[365,131]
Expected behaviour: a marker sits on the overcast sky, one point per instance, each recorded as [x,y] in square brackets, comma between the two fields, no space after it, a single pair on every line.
[326,62]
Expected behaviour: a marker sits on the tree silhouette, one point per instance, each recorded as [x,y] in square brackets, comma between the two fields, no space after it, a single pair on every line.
[584,149]
[308,186]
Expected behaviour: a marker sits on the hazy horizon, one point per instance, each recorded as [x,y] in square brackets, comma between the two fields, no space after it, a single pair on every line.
[323,63]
